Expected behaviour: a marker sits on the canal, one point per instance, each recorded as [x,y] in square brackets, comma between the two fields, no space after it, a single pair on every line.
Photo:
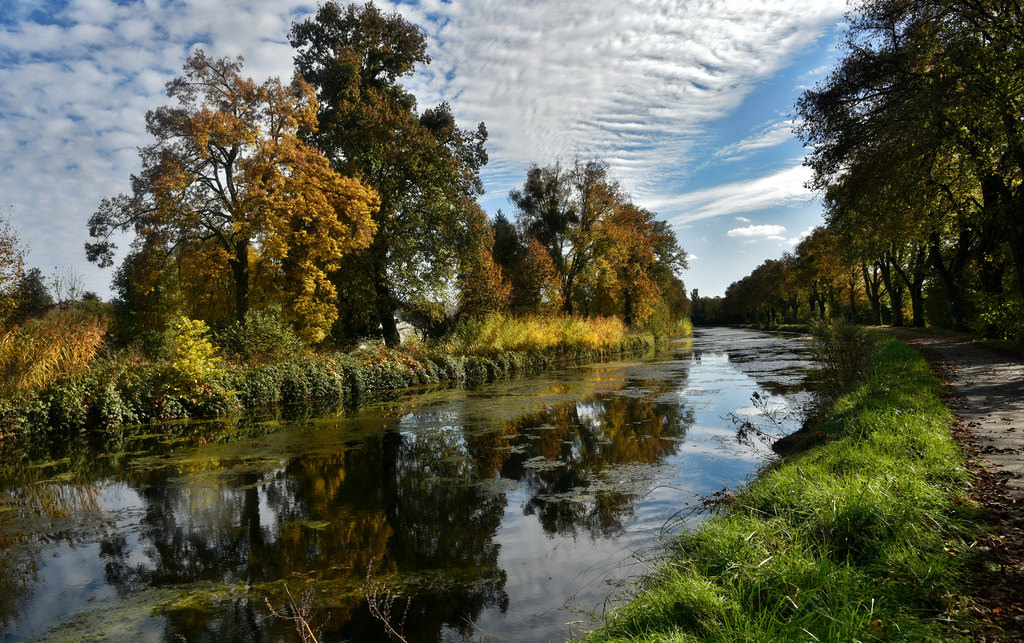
[517,510]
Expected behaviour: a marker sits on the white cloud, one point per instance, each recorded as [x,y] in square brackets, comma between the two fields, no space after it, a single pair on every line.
[758,232]
[800,237]
[631,81]
[771,136]
[783,188]
[743,219]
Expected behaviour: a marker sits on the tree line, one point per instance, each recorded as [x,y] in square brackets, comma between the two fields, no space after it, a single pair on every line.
[335,201]
[916,143]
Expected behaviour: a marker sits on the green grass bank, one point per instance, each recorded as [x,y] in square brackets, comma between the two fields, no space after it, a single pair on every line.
[863,534]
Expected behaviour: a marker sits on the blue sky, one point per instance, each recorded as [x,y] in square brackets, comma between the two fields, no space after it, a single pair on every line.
[689,101]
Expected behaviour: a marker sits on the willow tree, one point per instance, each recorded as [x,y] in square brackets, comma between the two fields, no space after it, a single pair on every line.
[563,210]
[230,174]
[424,167]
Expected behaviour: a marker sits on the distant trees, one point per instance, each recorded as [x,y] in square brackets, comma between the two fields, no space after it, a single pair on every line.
[917,144]
[230,180]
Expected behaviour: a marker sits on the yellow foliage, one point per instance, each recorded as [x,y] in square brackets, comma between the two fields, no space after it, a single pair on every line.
[499,333]
[41,351]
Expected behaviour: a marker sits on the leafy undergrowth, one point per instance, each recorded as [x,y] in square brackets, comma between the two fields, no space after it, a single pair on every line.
[863,536]
[196,382]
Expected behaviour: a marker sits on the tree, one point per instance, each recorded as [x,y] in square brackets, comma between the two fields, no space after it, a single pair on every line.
[483,288]
[230,174]
[563,209]
[12,267]
[927,104]
[643,256]
[424,167]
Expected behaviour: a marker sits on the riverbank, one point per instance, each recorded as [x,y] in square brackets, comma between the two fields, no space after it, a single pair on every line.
[864,534]
[985,390]
[118,390]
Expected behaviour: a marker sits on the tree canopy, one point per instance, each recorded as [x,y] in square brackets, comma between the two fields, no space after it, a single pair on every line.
[917,144]
[609,255]
[229,176]
[424,167]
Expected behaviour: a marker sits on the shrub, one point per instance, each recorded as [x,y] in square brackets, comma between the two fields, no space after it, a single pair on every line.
[194,358]
[264,338]
[842,349]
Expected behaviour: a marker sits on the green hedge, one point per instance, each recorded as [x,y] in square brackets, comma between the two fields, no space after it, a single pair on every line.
[121,391]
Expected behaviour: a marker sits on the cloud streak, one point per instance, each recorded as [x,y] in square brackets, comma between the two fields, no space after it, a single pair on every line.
[783,188]
[634,82]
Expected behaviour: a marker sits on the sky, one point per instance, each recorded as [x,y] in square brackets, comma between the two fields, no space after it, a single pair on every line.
[689,102]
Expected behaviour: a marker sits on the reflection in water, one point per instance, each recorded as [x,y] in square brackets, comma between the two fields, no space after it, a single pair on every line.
[469,508]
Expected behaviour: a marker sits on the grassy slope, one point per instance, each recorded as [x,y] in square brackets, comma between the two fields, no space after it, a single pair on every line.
[860,537]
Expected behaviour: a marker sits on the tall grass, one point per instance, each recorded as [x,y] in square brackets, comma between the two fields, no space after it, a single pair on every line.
[499,334]
[842,350]
[39,352]
[860,538]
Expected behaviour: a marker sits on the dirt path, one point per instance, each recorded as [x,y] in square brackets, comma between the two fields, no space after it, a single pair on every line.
[986,393]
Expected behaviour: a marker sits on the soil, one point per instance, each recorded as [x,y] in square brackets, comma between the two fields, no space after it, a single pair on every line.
[985,390]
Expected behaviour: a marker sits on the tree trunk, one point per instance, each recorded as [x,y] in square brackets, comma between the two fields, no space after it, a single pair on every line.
[567,296]
[951,276]
[240,271]
[894,288]
[871,288]
[386,308]
[1015,224]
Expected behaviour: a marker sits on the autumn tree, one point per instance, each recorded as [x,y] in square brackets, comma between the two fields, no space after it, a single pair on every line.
[424,167]
[230,174]
[483,288]
[641,257]
[12,267]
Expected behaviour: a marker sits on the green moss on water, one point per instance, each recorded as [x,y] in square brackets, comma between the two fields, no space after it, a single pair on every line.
[862,535]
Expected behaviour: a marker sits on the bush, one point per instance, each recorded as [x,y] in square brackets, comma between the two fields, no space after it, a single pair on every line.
[842,349]
[264,338]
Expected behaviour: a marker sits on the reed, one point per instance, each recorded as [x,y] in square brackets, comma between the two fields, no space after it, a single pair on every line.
[499,334]
[37,353]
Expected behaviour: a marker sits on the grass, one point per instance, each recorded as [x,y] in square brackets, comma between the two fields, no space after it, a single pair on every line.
[862,536]
[500,334]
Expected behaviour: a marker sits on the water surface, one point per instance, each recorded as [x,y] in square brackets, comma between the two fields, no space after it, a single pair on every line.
[517,510]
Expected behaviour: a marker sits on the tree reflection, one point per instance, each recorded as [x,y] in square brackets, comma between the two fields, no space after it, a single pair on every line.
[405,499]
[565,452]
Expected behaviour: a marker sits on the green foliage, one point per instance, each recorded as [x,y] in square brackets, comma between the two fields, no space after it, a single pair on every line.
[860,538]
[842,350]
[191,380]
[264,337]
[425,167]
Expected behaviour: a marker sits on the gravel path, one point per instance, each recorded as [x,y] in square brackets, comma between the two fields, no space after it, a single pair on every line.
[985,390]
